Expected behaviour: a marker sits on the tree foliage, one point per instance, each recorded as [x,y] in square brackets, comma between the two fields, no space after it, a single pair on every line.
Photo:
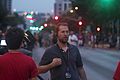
[14,20]
[3,12]
[98,11]
[6,18]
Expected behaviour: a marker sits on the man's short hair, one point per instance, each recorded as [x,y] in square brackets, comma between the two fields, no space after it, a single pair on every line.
[58,25]
[14,37]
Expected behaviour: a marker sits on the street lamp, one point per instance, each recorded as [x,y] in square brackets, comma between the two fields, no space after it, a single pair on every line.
[71,11]
[76,8]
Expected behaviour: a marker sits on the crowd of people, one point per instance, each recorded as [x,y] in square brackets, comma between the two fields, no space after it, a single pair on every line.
[59,58]
[62,58]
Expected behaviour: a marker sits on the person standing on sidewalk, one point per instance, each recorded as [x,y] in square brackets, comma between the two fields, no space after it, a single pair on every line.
[15,65]
[117,73]
[63,59]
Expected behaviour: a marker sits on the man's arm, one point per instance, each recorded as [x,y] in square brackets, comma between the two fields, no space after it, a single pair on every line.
[45,68]
[34,78]
[82,73]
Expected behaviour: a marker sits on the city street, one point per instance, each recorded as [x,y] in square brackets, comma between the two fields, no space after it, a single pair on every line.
[93,25]
[99,64]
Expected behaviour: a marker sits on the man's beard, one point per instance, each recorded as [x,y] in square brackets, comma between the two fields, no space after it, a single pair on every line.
[63,41]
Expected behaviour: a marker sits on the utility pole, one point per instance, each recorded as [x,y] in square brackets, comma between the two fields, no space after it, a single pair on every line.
[118,33]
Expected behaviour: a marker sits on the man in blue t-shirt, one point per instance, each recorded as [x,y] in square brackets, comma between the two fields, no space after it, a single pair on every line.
[63,59]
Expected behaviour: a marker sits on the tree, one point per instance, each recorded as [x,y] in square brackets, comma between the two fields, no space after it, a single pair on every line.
[3,12]
[11,20]
[98,11]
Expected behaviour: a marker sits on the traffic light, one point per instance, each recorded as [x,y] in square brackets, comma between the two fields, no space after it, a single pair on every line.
[80,23]
[106,4]
[56,17]
[45,25]
[31,21]
[41,27]
[98,29]
[36,28]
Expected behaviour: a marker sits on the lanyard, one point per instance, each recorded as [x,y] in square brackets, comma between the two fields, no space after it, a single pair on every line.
[65,56]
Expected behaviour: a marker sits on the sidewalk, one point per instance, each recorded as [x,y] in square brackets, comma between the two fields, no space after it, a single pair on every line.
[107,46]
[103,46]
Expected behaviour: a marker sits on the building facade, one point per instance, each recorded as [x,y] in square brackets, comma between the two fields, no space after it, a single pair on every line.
[9,5]
[5,9]
[6,5]
[61,6]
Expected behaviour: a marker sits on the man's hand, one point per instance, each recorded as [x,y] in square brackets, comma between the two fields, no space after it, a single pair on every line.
[44,68]
[56,62]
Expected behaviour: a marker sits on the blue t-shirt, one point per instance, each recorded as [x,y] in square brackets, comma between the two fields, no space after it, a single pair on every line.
[74,62]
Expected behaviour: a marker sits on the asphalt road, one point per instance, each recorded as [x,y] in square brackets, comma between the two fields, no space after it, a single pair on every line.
[99,64]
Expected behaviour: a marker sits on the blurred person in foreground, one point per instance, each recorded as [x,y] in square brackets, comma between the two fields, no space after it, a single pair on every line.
[14,65]
[63,59]
[117,73]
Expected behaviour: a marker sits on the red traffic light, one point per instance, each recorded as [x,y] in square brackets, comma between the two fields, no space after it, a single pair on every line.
[80,23]
[98,29]
[45,25]
[56,17]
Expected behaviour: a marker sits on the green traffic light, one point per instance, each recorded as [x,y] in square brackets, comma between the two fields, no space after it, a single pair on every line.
[31,21]
[41,27]
[36,28]
[106,3]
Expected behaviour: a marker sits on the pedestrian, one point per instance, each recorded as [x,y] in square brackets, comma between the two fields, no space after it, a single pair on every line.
[15,65]
[117,73]
[73,39]
[25,51]
[63,59]
[30,41]
[80,39]
[37,40]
